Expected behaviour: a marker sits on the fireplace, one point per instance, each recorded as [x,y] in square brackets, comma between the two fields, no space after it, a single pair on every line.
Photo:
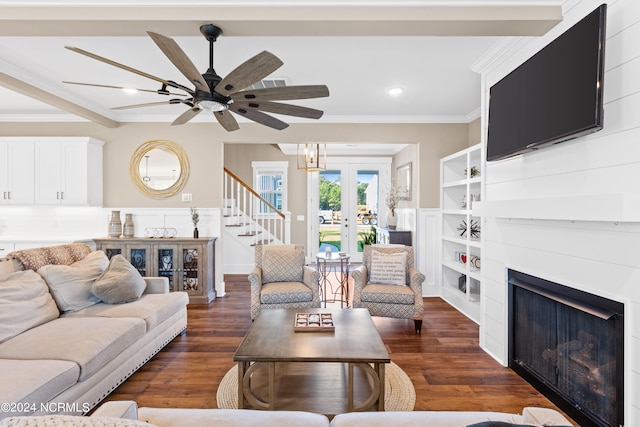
[569,345]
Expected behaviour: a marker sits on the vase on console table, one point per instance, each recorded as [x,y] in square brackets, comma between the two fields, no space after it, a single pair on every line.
[115,224]
[127,230]
[195,232]
[392,219]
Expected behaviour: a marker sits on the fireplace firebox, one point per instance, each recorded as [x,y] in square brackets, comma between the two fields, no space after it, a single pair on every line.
[569,345]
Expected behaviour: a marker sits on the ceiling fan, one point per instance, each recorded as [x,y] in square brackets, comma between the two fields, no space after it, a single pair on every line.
[222,95]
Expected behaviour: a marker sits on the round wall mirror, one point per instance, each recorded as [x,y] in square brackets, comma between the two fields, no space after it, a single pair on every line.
[159,168]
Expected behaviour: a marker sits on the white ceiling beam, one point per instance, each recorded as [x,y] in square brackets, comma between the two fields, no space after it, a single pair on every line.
[290,20]
[41,95]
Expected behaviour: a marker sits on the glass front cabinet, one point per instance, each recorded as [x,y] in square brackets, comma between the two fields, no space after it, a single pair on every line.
[187,263]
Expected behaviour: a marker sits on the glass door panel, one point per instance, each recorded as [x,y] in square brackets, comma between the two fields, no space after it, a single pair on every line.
[166,262]
[190,269]
[330,210]
[367,199]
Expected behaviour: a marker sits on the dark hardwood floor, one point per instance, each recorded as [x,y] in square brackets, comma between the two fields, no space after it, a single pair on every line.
[447,367]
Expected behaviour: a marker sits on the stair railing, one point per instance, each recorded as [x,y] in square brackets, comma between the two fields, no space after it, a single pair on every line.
[253,215]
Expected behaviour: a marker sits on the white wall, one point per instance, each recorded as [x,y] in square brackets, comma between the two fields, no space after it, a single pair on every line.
[564,240]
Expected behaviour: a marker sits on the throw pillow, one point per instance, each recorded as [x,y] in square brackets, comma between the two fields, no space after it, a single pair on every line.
[34,258]
[70,285]
[71,421]
[25,302]
[282,265]
[120,283]
[388,268]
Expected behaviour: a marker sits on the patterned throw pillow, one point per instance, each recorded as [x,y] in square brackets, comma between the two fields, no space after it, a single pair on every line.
[282,264]
[388,269]
[33,259]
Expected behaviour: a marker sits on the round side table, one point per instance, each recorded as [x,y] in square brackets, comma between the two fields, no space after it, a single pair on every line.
[327,262]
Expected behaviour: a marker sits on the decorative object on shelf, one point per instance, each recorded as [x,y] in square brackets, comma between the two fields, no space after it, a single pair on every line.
[474,229]
[115,224]
[463,204]
[462,283]
[195,217]
[460,257]
[392,199]
[474,262]
[128,231]
[312,157]
[160,233]
[473,172]
[474,198]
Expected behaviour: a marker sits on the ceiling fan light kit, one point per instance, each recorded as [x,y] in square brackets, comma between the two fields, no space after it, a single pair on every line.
[218,95]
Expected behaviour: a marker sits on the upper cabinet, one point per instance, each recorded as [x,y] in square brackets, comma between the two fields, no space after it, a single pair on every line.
[68,171]
[51,171]
[17,173]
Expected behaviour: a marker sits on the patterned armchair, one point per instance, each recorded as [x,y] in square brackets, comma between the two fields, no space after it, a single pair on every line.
[388,284]
[281,279]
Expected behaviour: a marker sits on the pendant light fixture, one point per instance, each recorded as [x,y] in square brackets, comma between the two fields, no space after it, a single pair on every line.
[312,157]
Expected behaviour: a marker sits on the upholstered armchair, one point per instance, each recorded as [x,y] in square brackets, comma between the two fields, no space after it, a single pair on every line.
[388,284]
[281,279]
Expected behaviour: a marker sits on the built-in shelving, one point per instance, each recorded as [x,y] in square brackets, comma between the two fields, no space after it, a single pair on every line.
[459,191]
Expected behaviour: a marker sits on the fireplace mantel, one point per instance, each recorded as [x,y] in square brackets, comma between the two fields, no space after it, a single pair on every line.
[599,207]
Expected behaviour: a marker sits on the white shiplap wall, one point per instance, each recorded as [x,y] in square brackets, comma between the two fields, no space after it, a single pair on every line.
[591,254]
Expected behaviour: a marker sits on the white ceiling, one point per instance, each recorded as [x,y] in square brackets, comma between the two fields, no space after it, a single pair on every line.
[359,49]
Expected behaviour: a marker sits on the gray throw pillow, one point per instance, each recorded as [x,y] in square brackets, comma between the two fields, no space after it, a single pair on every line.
[120,283]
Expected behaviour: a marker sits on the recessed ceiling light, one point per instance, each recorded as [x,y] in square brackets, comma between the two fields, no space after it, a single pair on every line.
[130,90]
[395,91]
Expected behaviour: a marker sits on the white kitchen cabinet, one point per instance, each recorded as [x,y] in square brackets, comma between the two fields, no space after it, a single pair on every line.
[68,171]
[17,178]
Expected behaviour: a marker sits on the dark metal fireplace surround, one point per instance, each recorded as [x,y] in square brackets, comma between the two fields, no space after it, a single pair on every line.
[569,345]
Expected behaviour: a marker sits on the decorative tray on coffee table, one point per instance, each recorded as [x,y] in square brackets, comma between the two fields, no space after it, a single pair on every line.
[313,322]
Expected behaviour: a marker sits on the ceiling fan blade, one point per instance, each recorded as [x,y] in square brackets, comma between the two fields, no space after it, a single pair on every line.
[148,104]
[180,59]
[249,72]
[125,88]
[279,108]
[130,69]
[259,117]
[226,120]
[283,93]
[186,116]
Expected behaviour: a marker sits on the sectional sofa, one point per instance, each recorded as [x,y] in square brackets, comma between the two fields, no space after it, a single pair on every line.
[126,413]
[62,347]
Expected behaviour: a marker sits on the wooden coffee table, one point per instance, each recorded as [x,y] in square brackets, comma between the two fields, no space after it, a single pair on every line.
[271,340]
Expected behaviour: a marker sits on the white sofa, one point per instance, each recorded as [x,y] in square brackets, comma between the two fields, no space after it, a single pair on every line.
[129,414]
[67,362]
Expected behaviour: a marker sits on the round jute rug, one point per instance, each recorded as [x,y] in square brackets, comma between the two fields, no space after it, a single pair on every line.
[399,394]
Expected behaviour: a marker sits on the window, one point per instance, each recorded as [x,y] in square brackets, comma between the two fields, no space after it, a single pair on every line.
[270,182]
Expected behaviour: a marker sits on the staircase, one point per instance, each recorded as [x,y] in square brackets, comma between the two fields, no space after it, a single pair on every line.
[249,220]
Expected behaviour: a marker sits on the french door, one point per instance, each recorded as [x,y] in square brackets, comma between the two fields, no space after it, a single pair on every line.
[346,203]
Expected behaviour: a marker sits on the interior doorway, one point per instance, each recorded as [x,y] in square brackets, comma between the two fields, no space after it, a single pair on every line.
[347,200]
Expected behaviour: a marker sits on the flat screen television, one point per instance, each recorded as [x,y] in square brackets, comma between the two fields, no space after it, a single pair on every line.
[554,96]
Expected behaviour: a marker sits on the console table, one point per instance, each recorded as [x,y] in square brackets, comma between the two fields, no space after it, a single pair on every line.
[188,263]
[387,236]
